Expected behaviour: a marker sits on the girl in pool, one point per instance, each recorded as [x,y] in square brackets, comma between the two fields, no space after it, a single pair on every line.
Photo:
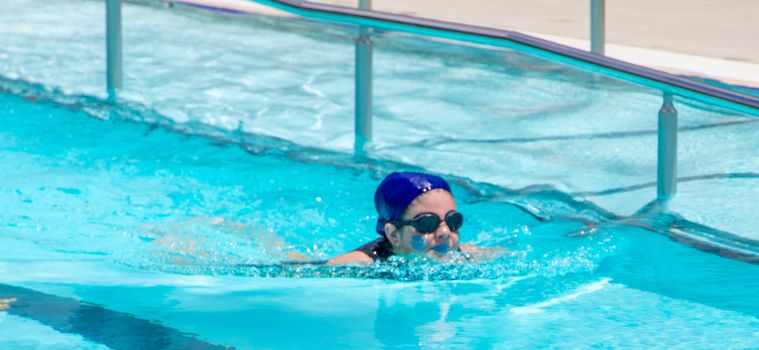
[417,217]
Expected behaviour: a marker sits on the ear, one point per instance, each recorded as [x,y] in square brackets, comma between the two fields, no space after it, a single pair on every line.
[391,232]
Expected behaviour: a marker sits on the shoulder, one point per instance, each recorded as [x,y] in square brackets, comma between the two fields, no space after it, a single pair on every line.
[355,256]
[485,254]
[378,249]
[470,248]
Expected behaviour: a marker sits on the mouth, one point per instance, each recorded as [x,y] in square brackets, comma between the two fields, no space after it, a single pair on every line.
[441,249]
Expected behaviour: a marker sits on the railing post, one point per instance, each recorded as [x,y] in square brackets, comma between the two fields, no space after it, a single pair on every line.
[113,44]
[363,84]
[666,180]
[597,26]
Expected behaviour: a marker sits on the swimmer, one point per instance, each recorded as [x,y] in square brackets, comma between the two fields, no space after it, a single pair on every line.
[417,217]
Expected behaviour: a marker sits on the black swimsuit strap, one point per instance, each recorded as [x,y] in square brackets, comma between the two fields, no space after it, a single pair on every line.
[381,249]
[378,249]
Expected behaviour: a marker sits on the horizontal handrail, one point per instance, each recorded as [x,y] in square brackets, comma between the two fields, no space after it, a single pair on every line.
[490,36]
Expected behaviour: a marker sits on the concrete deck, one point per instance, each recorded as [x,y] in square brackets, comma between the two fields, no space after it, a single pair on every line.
[707,38]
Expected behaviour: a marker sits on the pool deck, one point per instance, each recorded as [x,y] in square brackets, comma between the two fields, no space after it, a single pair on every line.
[705,38]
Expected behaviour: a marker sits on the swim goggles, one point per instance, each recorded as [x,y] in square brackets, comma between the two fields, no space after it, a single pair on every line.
[429,222]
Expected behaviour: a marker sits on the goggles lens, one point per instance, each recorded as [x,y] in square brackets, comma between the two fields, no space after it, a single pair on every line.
[429,222]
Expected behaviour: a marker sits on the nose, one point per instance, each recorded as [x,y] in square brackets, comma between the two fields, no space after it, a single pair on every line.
[443,232]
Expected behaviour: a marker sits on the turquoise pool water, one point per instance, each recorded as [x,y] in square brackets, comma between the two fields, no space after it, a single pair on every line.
[150,222]
[528,121]
[161,221]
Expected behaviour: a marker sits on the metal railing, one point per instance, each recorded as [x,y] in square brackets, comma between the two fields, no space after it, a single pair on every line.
[366,19]
[597,26]
[364,79]
[114,71]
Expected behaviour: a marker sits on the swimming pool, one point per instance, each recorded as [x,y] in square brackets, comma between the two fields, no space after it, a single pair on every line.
[168,213]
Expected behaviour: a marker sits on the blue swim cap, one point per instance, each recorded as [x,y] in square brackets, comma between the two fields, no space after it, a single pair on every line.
[398,190]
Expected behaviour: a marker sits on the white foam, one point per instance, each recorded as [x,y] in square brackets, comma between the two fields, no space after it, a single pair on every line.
[513,281]
[582,290]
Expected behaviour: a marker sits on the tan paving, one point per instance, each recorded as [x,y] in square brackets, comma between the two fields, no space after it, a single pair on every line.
[726,29]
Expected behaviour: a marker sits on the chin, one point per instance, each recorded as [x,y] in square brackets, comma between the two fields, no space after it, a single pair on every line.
[439,255]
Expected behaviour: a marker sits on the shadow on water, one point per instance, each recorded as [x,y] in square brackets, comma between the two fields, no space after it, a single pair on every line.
[667,263]
[117,330]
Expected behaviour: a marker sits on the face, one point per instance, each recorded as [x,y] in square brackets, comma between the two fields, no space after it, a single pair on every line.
[407,240]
